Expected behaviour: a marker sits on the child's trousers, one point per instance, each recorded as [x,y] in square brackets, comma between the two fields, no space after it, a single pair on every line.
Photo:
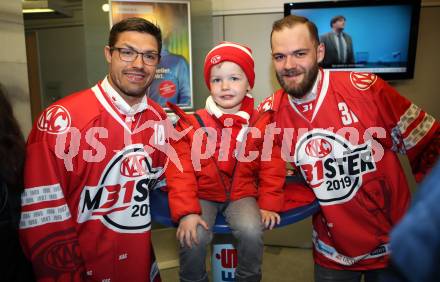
[244,219]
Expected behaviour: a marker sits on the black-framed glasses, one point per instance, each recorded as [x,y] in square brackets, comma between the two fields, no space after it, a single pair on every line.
[129,55]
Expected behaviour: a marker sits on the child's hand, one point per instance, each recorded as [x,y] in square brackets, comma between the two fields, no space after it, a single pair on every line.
[187,230]
[269,218]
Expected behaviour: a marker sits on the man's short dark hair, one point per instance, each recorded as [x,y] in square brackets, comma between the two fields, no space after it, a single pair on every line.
[335,19]
[135,24]
[292,20]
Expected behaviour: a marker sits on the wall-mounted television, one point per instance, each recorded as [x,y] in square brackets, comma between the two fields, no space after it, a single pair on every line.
[382,34]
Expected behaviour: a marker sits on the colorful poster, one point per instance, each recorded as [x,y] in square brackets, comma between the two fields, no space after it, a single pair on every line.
[173,75]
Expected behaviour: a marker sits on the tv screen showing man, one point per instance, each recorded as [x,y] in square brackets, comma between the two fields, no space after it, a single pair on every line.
[338,44]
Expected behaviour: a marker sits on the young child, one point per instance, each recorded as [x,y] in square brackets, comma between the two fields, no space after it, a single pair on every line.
[220,183]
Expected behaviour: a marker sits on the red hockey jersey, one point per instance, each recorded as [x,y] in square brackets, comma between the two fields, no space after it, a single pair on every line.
[85,207]
[347,154]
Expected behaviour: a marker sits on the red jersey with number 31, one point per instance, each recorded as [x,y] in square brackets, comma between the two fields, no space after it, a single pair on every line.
[347,154]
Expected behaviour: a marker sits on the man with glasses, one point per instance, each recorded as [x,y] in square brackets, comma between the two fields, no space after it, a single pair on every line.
[92,158]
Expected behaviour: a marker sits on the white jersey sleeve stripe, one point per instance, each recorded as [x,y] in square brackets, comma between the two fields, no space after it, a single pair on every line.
[419,132]
[41,194]
[408,117]
[43,216]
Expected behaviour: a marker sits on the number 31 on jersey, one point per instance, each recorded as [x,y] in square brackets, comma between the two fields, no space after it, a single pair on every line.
[347,116]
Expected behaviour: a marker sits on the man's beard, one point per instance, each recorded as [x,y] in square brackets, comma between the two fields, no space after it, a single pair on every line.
[304,87]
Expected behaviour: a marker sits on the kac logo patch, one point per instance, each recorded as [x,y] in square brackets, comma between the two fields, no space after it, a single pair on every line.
[362,81]
[121,200]
[318,148]
[266,105]
[216,59]
[332,166]
[54,120]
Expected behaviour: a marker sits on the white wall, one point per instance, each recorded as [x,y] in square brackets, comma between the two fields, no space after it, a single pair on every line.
[13,66]
[62,62]
[231,7]
[254,31]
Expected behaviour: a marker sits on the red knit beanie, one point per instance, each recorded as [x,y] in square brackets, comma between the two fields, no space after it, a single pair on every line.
[232,52]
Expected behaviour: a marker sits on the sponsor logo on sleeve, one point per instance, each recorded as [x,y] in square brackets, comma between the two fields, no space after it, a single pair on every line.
[54,120]
[362,81]
[266,105]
